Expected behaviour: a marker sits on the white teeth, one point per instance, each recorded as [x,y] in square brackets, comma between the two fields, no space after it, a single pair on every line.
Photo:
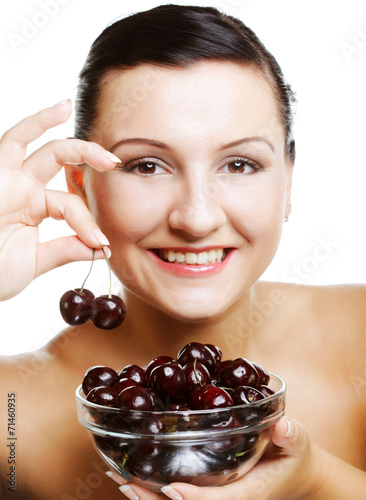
[193,258]
[170,255]
[202,258]
[179,257]
[212,255]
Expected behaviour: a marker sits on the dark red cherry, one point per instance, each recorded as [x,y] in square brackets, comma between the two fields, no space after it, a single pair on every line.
[195,396]
[135,373]
[108,312]
[215,397]
[210,397]
[215,351]
[151,426]
[245,395]
[195,350]
[99,376]
[141,468]
[160,360]
[222,365]
[168,379]
[134,398]
[105,396]
[75,306]
[265,390]
[148,448]
[253,394]
[262,374]
[240,372]
[123,383]
[221,444]
[156,401]
[196,375]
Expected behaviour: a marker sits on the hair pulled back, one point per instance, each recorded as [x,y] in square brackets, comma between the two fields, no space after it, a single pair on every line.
[176,36]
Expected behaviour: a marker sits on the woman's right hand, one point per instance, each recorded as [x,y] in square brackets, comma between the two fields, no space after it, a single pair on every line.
[25,201]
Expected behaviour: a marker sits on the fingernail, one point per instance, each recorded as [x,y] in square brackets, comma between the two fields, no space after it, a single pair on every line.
[115,477]
[111,156]
[171,493]
[290,429]
[107,252]
[128,491]
[61,103]
[102,239]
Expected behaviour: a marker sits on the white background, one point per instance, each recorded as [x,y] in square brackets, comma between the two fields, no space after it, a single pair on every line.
[321,46]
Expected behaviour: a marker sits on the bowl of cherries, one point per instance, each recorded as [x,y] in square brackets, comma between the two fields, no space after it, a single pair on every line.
[194,419]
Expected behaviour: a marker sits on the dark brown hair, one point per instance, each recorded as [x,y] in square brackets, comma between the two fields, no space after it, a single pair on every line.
[175,35]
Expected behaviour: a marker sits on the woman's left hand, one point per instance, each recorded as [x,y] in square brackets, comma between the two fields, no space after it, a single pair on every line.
[289,470]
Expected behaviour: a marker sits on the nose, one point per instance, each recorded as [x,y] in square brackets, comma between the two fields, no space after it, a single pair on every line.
[197,210]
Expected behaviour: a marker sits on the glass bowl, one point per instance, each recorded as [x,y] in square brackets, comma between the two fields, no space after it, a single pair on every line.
[201,447]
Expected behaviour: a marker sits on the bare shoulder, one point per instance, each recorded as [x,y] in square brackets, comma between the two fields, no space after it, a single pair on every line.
[341,307]
[329,322]
[332,317]
[344,304]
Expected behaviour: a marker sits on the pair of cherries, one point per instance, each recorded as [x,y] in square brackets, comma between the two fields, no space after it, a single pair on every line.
[80,305]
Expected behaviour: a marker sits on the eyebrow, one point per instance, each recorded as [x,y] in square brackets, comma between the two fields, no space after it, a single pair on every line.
[139,140]
[162,145]
[255,138]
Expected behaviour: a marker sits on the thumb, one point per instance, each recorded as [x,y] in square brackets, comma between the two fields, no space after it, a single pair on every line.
[291,436]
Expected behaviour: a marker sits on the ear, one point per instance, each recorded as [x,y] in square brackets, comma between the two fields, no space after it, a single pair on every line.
[75,180]
[290,169]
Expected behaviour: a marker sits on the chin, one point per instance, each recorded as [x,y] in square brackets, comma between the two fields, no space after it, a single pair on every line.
[193,311]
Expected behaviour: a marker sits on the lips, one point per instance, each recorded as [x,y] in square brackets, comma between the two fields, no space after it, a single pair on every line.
[204,257]
[185,262]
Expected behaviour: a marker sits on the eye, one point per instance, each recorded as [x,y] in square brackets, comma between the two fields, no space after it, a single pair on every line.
[144,166]
[241,166]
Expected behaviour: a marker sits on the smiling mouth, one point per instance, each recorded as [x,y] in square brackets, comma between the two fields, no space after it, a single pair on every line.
[213,256]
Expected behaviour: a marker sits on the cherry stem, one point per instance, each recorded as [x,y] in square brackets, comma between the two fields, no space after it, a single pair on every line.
[91,267]
[125,458]
[242,453]
[110,274]
[195,372]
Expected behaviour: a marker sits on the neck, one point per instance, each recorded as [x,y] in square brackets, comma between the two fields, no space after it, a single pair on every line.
[152,332]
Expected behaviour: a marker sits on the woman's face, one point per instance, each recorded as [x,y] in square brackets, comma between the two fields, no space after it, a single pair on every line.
[195,211]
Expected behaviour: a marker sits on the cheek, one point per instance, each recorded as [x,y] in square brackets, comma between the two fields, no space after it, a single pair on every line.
[124,212]
[257,212]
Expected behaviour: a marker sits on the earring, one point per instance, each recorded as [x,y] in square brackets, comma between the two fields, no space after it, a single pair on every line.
[288,211]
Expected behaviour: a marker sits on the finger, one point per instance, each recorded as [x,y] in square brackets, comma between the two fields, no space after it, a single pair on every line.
[131,490]
[265,477]
[116,478]
[46,162]
[56,253]
[291,436]
[137,492]
[13,144]
[71,208]
[184,491]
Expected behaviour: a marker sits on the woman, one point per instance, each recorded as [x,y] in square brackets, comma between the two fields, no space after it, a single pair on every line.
[181,163]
